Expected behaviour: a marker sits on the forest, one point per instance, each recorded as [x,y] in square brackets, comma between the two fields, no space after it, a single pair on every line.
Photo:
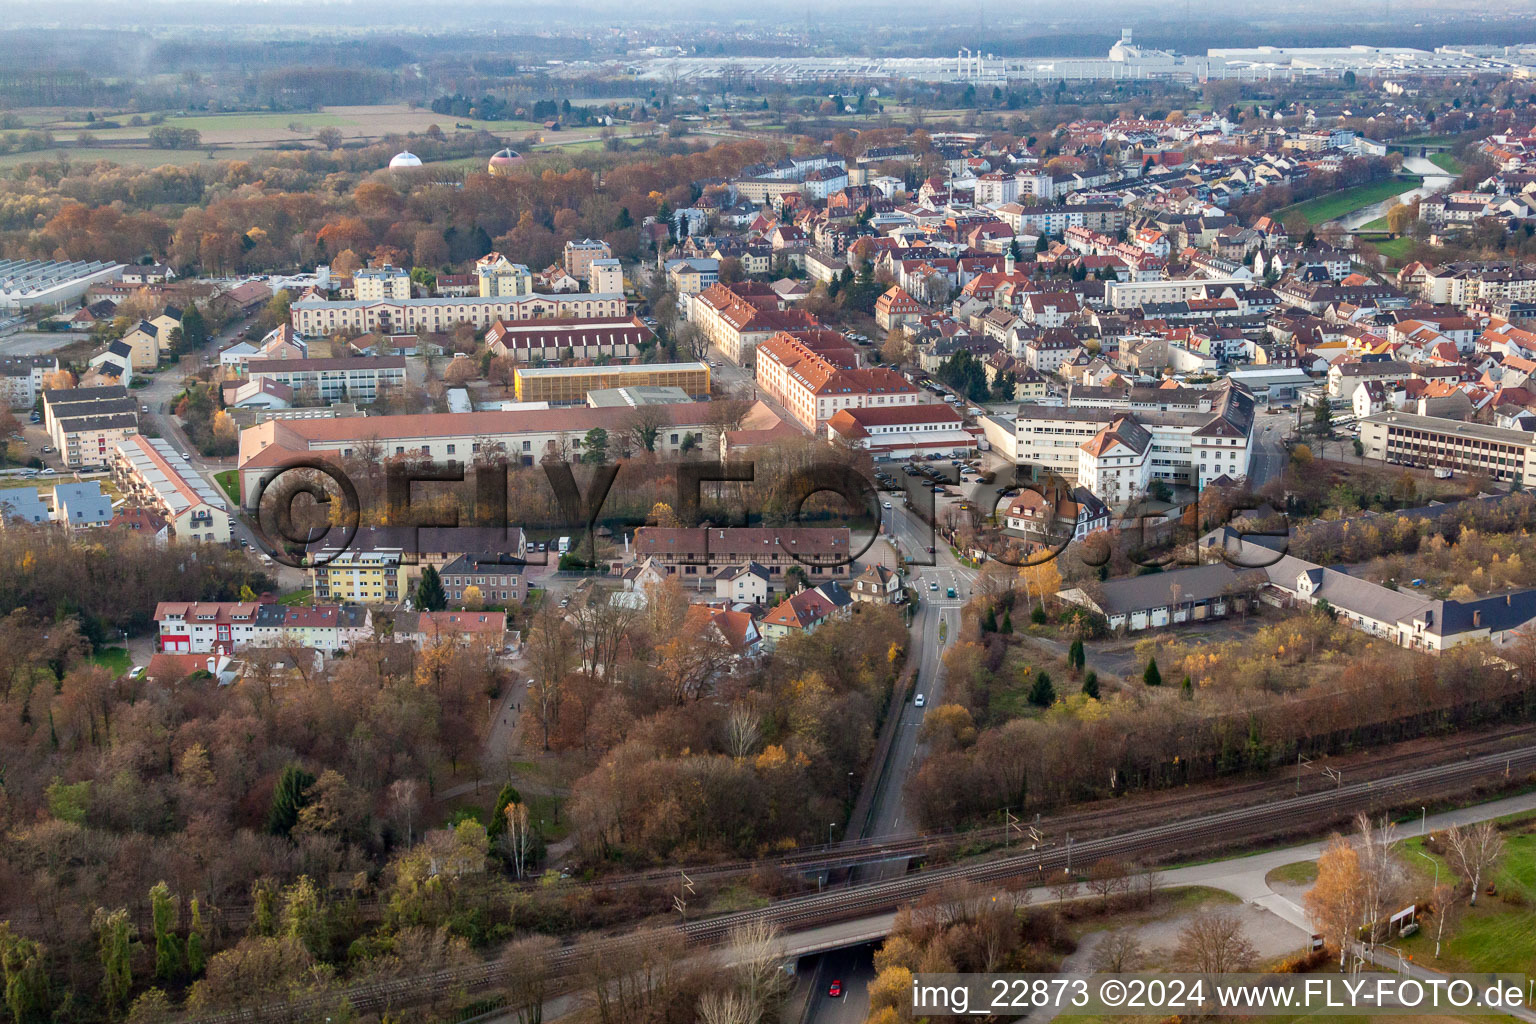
[175,842]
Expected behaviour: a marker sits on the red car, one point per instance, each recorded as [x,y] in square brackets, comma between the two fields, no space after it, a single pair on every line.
[835,989]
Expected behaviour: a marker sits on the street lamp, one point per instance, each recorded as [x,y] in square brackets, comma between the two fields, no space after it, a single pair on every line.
[1436,863]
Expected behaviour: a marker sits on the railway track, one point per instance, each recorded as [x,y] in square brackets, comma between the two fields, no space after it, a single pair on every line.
[1309,812]
[1103,818]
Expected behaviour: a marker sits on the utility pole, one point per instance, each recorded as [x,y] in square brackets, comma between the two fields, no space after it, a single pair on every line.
[1302,761]
[680,901]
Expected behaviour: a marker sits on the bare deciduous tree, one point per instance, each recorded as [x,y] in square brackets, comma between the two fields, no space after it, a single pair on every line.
[526,966]
[518,837]
[743,726]
[404,804]
[726,1006]
[1107,878]
[1119,951]
[1474,851]
[1214,943]
[756,953]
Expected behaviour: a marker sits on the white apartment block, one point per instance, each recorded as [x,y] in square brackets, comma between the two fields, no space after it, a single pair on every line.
[1128,294]
[1117,449]
[153,475]
[381,283]
[605,277]
[312,317]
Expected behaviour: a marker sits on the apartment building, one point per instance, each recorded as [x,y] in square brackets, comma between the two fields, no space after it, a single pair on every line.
[568,385]
[814,384]
[579,256]
[153,475]
[500,582]
[407,316]
[85,423]
[605,276]
[1507,456]
[384,282]
[823,553]
[21,379]
[347,379]
[224,627]
[691,276]
[1118,444]
[735,318]
[1129,294]
[383,564]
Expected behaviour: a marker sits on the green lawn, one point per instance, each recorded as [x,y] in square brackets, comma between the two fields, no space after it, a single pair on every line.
[229,483]
[1395,249]
[1347,200]
[1303,872]
[1446,162]
[1499,934]
[297,597]
[114,658]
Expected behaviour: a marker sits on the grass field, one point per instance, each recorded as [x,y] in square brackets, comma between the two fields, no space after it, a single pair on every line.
[229,483]
[1499,934]
[114,658]
[1446,162]
[1426,140]
[1303,872]
[129,156]
[1395,249]
[1347,200]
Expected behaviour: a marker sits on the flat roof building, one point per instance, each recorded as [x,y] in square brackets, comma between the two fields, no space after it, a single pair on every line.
[569,385]
[1430,442]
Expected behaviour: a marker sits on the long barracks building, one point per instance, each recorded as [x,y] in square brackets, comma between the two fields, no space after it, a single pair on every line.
[322,317]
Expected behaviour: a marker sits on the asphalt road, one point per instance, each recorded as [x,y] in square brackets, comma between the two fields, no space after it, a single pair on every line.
[1269,454]
[855,969]
[889,815]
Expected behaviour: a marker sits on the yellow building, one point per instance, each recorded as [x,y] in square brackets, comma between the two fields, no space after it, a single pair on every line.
[568,385]
[362,577]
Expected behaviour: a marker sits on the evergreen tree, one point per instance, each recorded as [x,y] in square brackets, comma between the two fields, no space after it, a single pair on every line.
[164,914]
[1152,677]
[430,595]
[1038,615]
[1075,656]
[1187,689]
[1091,684]
[194,328]
[989,621]
[1008,621]
[288,799]
[1042,694]
[508,796]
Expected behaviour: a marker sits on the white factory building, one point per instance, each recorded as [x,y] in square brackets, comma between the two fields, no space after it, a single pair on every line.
[50,284]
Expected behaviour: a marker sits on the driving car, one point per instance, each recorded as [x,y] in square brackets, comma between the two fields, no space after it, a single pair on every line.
[886,504]
[932,585]
[835,990]
[919,700]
